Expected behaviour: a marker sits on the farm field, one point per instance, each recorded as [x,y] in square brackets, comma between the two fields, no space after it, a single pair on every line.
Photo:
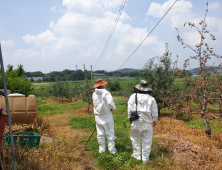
[105,78]
[185,84]
[177,144]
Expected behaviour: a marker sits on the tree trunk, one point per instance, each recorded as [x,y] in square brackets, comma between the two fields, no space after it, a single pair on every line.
[207,126]
[88,107]
[159,111]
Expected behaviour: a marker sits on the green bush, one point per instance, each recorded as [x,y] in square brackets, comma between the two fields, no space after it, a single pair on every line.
[16,82]
[113,86]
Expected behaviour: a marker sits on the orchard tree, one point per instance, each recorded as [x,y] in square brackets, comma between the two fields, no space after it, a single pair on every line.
[204,89]
[87,93]
[159,76]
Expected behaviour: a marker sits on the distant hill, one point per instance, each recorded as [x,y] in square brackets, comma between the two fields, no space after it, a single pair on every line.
[210,67]
[127,70]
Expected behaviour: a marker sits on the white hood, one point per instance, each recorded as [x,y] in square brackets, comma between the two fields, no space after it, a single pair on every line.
[103,103]
[98,91]
[142,98]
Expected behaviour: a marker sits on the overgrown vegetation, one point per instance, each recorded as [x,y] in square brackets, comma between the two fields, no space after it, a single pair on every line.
[202,90]
[160,77]
[68,151]
[16,81]
[87,94]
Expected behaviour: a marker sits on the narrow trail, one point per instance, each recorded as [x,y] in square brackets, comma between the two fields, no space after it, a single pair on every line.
[63,133]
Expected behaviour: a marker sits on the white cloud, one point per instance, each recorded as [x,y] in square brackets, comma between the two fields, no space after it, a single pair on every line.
[131,38]
[41,38]
[27,53]
[214,25]
[214,5]
[91,6]
[53,8]
[182,13]
[179,7]
[177,16]
[8,42]
[192,38]
[79,36]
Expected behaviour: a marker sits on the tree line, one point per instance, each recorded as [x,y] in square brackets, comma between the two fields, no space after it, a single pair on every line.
[72,75]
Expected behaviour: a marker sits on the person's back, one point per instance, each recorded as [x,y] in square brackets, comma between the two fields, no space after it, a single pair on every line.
[103,105]
[146,107]
[141,128]
[102,101]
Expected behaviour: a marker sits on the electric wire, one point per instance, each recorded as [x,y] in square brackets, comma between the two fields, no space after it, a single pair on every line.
[147,35]
[112,30]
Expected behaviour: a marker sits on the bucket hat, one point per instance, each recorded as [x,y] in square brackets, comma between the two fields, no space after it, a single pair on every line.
[143,86]
[99,82]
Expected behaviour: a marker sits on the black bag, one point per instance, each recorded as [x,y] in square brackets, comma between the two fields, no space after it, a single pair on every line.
[134,115]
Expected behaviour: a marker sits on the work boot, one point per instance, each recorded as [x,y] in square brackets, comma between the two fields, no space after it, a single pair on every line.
[102,148]
[111,147]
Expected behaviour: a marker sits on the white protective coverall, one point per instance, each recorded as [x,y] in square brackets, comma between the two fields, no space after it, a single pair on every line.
[142,127]
[103,103]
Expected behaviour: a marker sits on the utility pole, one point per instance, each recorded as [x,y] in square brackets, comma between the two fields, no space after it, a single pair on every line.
[91,77]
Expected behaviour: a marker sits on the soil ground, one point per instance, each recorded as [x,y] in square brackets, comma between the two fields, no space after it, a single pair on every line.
[60,124]
[190,148]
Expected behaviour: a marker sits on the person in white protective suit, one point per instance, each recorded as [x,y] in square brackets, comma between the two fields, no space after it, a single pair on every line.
[141,128]
[103,105]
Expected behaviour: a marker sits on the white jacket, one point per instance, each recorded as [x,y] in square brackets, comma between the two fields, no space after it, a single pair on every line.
[103,103]
[146,108]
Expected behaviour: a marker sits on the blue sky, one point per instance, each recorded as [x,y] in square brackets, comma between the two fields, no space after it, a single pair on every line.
[53,35]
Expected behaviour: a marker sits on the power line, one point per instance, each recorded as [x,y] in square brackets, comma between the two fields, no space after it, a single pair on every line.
[112,30]
[147,35]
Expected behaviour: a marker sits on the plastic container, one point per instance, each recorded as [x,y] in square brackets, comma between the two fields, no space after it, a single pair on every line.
[22,109]
[25,139]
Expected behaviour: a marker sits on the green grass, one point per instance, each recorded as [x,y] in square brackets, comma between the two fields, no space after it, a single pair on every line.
[83,122]
[122,159]
[196,124]
[195,121]
[49,110]
[213,108]
[216,125]
[179,80]
[41,100]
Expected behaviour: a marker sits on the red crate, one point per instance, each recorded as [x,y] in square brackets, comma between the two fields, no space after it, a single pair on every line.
[3,116]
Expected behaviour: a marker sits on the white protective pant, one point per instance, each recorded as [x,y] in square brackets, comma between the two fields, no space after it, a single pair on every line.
[142,131]
[108,130]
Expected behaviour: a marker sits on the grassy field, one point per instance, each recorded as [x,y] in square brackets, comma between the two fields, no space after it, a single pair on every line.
[178,143]
[160,157]
[122,159]
[56,108]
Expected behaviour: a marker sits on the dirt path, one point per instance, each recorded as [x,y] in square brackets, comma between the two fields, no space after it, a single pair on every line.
[71,138]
